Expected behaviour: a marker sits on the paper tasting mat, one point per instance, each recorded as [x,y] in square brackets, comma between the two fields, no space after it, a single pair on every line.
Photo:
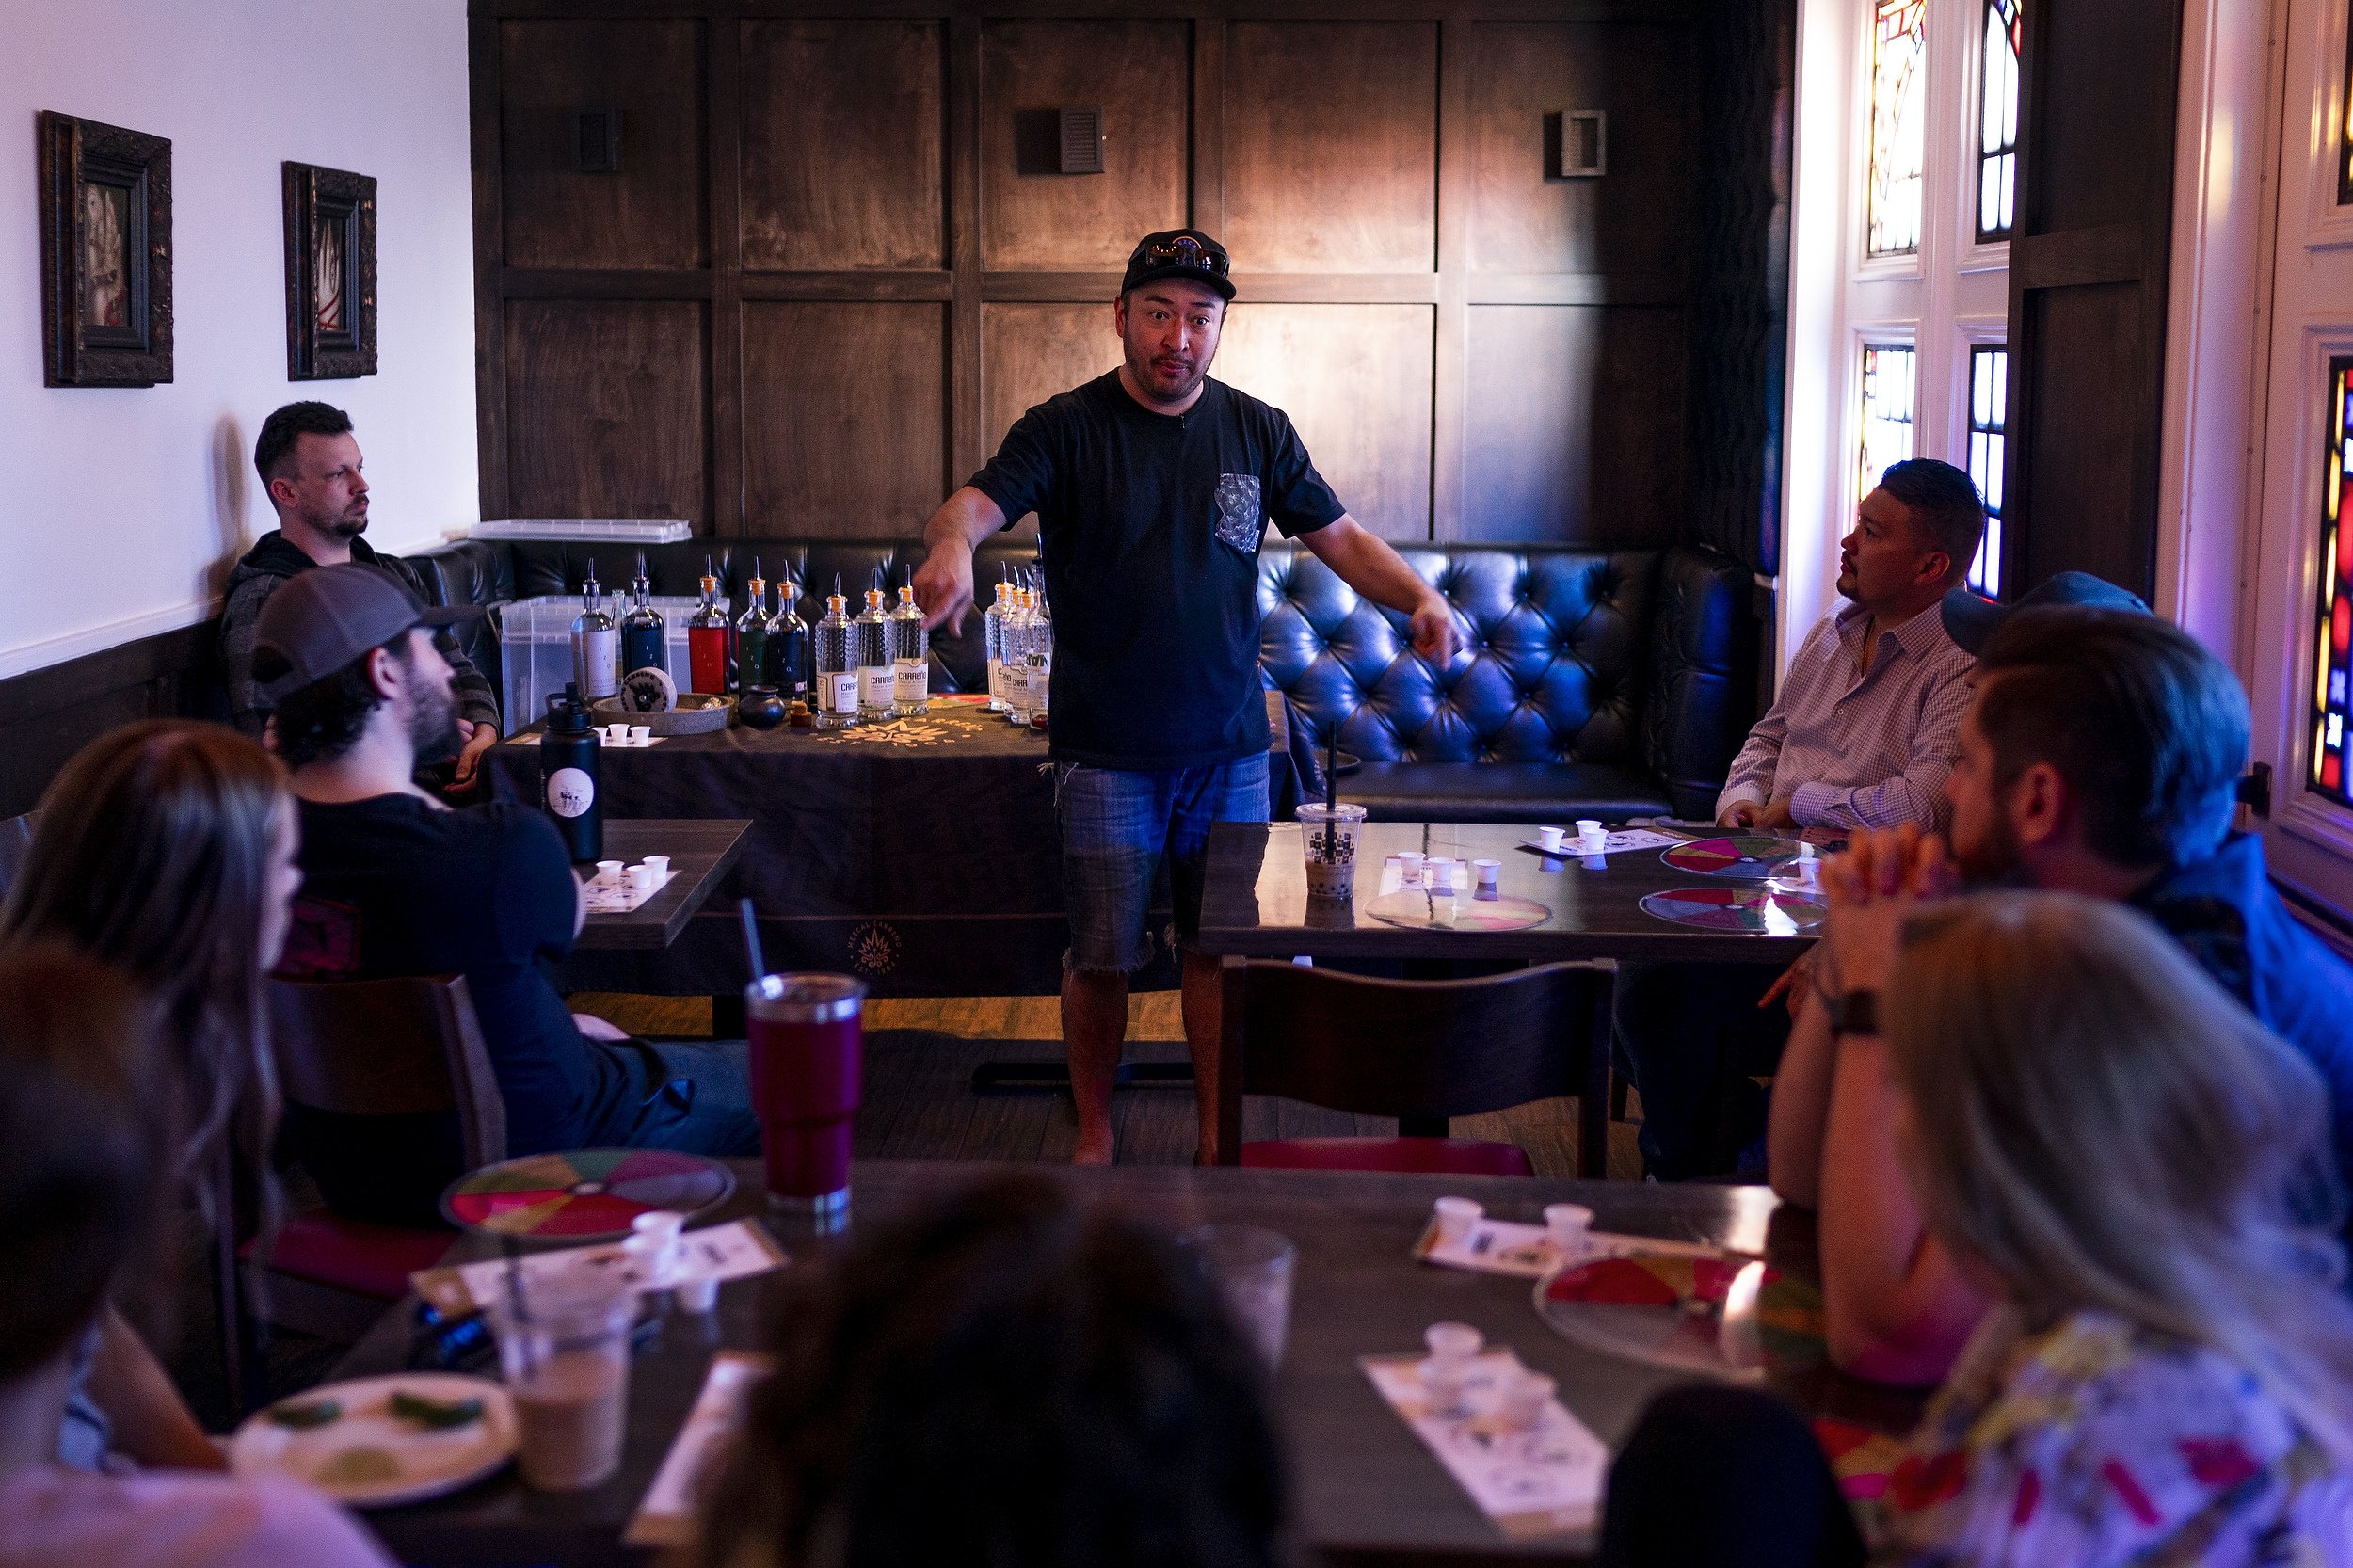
[1526,1251]
[737,1249]
[619,898]
[1539,1481]
[531,738]
[1613,843]
[667,1516]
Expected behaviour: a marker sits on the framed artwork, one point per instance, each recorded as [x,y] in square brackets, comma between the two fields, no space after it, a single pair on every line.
[106,254]
[330,274]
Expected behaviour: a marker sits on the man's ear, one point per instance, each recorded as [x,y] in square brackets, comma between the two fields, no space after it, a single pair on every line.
[385,673]
[1935,566]
[284,499]
[2041,809]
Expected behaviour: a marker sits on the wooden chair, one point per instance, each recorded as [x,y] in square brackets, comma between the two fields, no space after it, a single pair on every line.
[1421,1051]
[371,1047]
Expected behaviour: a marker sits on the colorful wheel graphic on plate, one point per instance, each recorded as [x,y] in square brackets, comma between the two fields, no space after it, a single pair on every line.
[1749,859]
[587,1195]
[1419,909]
[1759,911]
[1730,1316]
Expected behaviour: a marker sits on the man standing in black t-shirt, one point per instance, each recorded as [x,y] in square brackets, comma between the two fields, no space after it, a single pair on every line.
[1152,486]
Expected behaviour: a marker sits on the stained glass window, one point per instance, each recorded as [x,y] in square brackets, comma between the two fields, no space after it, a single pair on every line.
[1989,419]
[2332,767]
[1887,378]
[1997,121]
[1900,92]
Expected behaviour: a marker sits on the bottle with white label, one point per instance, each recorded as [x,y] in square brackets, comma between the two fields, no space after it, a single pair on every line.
[834,650]
[993,641]
[877,661]
[1020,627]
[1041,655]
[911,655]
[596,643]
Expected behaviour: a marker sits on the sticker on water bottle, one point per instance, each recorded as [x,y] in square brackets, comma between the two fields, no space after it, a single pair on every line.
[845,695]
[571,791]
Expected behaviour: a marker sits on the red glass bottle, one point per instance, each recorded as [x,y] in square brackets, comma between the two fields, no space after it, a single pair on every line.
[710,641]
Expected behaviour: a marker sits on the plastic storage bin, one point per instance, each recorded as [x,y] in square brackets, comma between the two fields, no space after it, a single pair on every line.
[535,647]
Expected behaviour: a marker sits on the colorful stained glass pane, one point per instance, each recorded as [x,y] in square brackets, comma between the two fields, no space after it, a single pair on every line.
[1900,113]
[1887,396]
[1989,423]
[2332,771]
[1997,120]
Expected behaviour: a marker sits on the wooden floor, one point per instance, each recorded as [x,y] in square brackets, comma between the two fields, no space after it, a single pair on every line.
[919,1103]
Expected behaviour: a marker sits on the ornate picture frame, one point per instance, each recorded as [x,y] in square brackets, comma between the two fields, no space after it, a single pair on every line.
[330,274]
[106,254]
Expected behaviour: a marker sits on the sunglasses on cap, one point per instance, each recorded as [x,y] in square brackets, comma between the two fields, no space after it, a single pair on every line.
[1184,251]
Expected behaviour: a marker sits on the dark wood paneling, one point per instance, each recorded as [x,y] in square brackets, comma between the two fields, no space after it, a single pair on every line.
[1355,380]
[1635,217]
[845,418]
[1576,416]
[650,213]
[1331,146]
[1035,351]
[49,714]
[1137,72]
[842,144]
[2082,496]
[607,409]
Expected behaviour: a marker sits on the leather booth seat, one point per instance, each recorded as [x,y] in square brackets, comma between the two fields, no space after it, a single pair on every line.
[1591,683]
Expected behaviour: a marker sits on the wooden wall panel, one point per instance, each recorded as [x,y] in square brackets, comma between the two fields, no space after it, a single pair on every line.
[1330,141]
[843,137]
[1036,218]
[845,424]
[1636,217]
[1032,352]
[607,409]
[1575,425]
[1355,380]
[650,213]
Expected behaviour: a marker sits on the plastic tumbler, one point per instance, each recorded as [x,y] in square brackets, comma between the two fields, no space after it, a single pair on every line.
[564,1352]
[1252,1268]
[807,1042]
[1329,840]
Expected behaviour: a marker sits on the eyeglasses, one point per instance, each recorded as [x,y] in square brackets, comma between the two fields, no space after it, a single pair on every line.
[1185,251]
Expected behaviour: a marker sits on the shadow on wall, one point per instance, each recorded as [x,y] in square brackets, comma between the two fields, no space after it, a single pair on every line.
[230,472]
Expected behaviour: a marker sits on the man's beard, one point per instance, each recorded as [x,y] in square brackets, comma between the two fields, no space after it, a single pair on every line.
[1147,377]
[433,726]
[346,525]
[1993,860]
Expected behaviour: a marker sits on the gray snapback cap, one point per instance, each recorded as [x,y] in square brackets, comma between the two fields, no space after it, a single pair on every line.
[1971,621]
[320,620]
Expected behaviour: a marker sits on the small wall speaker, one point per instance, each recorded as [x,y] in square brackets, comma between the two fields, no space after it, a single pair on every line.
[1584,147]
[596,140]
[1081,140]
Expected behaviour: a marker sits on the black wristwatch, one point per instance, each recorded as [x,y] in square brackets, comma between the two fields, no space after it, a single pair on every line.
[1855,1013]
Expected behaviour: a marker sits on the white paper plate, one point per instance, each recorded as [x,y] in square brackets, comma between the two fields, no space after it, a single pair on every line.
[428,1462]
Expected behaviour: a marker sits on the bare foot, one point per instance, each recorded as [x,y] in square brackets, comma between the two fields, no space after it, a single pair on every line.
[1093,1151]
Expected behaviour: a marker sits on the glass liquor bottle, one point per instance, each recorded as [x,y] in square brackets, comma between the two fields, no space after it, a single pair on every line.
[1019,630]
[788,645]
[596,643]
[751,635]
[877,664]
[993,641]
[911,655]
[1041,654]
[708,634]
[835,646]
[643,638]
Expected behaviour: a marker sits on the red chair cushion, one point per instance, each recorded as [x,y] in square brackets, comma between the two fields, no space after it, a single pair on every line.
[1443,1156]
[352,1254]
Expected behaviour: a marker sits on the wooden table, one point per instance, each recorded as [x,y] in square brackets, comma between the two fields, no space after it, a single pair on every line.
[700,850]
[1254,905]
[1364,1489]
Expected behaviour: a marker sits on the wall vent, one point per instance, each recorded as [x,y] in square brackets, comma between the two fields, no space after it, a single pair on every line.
[1081,135]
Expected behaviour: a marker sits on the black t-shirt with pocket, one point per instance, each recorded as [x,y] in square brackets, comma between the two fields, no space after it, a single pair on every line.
[1148,525]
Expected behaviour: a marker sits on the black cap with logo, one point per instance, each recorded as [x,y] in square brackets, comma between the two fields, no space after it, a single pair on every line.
[1186,253]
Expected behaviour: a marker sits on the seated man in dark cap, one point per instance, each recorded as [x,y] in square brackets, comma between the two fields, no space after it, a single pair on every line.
[395,883]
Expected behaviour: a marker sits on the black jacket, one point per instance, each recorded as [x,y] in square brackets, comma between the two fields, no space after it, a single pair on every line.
[269,563]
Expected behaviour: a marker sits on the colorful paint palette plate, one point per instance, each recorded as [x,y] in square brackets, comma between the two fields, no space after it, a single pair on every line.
[1730,1316]
[1420,909]
[1757,911]
[1749,859]
[587,1195]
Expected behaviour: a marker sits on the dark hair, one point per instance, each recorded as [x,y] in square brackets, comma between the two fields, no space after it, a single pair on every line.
[1944,506]
[85,1143]
[1010,1379]
[277,439]
[325,719]
[153,855]
[2149,729]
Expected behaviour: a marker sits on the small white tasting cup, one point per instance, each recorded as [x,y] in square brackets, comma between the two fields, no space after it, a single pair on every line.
[1455,1218]
[641,734]
[1409,867]
[659,866]
[1548,838]
[1488,871]
[1452,1344]
[1524,1400]
[609,873]
[1569,1227]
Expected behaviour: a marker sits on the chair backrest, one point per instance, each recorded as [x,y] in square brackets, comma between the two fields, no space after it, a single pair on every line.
[388,1048]
[16,843]
[1414,1047]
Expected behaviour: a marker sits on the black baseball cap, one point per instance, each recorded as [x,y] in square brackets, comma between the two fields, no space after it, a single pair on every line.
[1186,253]
[322,620]
[1971,621]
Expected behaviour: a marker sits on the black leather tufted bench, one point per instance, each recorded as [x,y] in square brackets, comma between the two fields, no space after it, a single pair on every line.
[1593,684]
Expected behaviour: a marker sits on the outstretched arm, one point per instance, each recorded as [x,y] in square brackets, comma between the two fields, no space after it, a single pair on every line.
[943,584]
[1366,563]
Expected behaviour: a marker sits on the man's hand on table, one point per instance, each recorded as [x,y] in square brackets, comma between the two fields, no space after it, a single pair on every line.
[1773,813]
[480,736]
[943,584]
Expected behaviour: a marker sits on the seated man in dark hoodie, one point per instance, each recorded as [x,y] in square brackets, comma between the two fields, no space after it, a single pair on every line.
[310,471]
[396,883]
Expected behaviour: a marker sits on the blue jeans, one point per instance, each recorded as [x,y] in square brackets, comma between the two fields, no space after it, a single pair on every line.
[1692,1037]
[1118,824]
[699,1099]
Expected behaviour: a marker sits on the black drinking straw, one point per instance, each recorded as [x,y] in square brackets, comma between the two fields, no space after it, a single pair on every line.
[1332,795]
[751,941]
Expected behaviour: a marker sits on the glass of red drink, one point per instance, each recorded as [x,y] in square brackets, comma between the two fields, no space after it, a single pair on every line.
[807,1040]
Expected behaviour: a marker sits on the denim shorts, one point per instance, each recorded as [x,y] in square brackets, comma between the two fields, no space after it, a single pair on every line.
[1117,824]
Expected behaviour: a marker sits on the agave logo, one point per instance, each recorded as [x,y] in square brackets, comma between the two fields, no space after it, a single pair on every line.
[874,947]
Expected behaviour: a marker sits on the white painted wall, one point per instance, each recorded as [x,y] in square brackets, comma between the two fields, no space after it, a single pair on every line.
[121,509]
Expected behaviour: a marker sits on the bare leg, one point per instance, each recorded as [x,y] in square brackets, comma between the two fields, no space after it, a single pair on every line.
[1203,1012]
[1094,1028]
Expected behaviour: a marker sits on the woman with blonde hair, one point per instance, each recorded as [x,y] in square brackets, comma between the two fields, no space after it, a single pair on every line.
[165,849]
[2127,1164]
